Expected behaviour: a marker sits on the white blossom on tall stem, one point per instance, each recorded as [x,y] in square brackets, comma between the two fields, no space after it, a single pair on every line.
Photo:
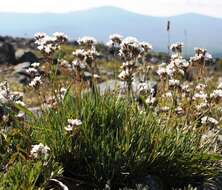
[72,123]
[85,58]
[115,41]
[209,120]
[39,151]
[87,41]
[48,44]
[130,51]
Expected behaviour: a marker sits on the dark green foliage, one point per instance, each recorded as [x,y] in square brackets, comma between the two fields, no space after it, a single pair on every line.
[119,144]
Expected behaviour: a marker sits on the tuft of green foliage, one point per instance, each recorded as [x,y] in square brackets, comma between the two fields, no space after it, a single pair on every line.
[28,175]
[118,144]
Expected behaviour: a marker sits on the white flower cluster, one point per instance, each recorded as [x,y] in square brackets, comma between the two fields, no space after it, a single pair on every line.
[115,41]
[150,100]
[200,55]
[48,44]
[36,82]
[174,83]
[176,48]
[131,50]
[85,57]
[217,93]
[87,41]
[39,151]
[34,72]
[177,66]
[72,123]
[200,95]
[209,121]
[6,96]
[52,101]
[35,65]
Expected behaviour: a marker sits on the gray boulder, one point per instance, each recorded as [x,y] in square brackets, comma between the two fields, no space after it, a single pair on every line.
[7,53]
[21,67]
[26,56]
[20,73]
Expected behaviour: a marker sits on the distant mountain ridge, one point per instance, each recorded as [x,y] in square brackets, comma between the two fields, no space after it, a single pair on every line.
[194,30]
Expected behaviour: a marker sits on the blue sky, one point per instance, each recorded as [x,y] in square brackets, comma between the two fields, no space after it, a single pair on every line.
[148,7]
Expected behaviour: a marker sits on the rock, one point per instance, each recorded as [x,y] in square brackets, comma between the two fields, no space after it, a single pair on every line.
[23,79]
[109,85]
[21,67]
[26,56]
[20,73]
[7,53]
[112,85]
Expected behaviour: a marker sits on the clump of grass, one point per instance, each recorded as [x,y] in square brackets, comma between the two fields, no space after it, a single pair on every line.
[118,145]
[28,175]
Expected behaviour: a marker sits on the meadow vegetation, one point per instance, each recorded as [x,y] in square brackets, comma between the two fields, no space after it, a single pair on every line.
[138,136]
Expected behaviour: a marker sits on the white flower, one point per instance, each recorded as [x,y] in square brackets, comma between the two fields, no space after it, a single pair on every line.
[35,65]
[161,71]
[201,87]
[125,75]
[39,150]
[115,37]
[78,64]
[201,53]
[5,95]
[60,36]
[96,76]
[216,94]
[200,95]
[185,87]
[39,35]
[87,40]
[32,70]
[208,56]
[20,103]
[181,63]
[179,110]
[168,94]
[150,100]
[176,47]
[110,43]
[62,92]
[115,40]
[46,43]
[79,53]
[130,40]
[36,82]
[201,106]
[170,70]
[146,46]
[173,82]
[73,123]
[209,120]
[127,64]
[143,87]
[219,85]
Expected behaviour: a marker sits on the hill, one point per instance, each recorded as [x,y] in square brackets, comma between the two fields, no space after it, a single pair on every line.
[202,31]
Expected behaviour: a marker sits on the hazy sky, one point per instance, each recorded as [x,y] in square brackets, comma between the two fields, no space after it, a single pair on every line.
[148,7]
